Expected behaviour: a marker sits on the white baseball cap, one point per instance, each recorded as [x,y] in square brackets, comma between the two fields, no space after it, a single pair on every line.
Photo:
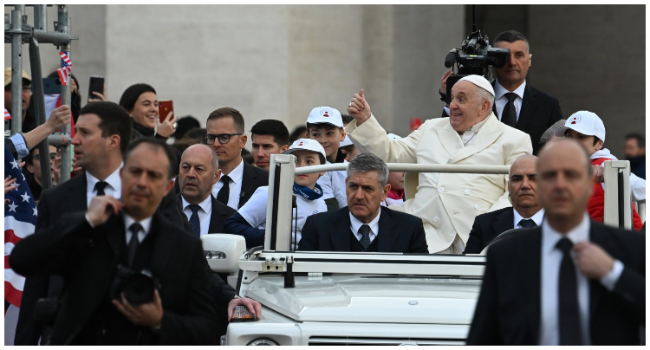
[584,122]
[325,115]
[480,82]
[306,145]
[346,142]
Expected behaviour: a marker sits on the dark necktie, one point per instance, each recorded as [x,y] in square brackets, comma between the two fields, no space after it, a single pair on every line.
[569,313]
[194,219]
[527,223]
[509,114]
[100,186]
[364,230]
[135,228]
[224,192]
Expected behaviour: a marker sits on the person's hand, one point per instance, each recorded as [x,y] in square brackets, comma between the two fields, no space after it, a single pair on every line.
[59,118]
[599,173]
[101,208]
[76,170]
[359,108]
[592,260]
[166,128]
[100,97]
[443,81]
[148,315]
[253,306]
[56,171]
[8,186]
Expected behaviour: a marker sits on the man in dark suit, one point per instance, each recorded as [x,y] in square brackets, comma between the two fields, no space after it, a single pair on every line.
[517,104]
[571,281]
[198,172]
[239,180]
[102,135]
[89,248]
[526,210]
[365,226]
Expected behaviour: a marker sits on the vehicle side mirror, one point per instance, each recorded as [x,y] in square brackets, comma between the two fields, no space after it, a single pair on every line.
[222,251]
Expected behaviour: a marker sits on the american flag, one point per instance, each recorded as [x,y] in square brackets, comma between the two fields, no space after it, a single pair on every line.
[66,67]
[20,222]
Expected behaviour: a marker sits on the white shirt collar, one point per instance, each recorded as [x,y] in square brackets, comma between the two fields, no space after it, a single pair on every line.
[206,205]
[499,90]
[114,180]
[550,236]
[128,221]
[468,136]
[237,174]
[538,217]
[374,224]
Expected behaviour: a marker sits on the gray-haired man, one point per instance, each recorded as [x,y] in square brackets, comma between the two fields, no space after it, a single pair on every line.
[364,226]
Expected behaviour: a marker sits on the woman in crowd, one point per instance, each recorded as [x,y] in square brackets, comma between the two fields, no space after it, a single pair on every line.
[141,102]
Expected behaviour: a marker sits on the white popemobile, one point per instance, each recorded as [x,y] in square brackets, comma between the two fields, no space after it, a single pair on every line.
[322,298]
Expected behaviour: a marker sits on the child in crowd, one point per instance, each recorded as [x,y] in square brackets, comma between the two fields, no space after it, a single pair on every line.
[588,129]
[250,220]
[396,182]
[349,149]
[325,125]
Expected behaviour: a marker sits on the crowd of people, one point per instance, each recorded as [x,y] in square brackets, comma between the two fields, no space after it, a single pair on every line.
[138,202]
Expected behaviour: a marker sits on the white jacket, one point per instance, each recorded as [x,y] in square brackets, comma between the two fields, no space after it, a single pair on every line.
[447,203]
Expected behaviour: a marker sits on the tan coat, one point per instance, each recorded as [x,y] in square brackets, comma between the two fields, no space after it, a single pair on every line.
[446,202]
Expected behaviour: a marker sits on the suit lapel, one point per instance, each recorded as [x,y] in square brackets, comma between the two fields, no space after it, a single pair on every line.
[387,233]
[163,245]
[77,197]
[449,139]
[486,136]
[528,106]
[115,233]
[503,222]
[248,177]
[596,290]
[531,253]
[340,232]
[216,217]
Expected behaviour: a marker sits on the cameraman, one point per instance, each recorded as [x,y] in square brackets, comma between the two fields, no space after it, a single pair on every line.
[517,104]
[88,248]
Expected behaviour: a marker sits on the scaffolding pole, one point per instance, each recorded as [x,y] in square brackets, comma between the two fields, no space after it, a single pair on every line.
[17,69]
[39,106]
[63,27]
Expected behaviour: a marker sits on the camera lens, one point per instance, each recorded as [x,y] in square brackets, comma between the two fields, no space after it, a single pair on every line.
[138,289]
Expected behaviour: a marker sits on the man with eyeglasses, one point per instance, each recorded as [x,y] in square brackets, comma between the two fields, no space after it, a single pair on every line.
[33,166]
[239,180]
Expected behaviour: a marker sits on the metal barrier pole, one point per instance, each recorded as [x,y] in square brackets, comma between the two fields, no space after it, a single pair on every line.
[617,197]
[277,235]
[17,70]
[63,26]
[39,105]
[40,17]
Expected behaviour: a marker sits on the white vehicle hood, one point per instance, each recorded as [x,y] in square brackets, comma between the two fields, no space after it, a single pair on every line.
[359,298]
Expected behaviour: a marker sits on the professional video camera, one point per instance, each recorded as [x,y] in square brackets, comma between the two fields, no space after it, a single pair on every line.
[138,287]
[474,57]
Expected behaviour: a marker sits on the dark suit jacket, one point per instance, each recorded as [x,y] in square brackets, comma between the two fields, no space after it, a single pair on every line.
[330,231]
[538,112]
[508,309]
[220,213]
[252,179]
[68,197]
[487,227]
[87,259]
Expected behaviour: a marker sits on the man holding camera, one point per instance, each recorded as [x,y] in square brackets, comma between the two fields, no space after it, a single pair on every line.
[517,104]
[131,276]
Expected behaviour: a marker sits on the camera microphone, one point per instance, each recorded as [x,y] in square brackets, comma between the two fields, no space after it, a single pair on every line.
[450,59]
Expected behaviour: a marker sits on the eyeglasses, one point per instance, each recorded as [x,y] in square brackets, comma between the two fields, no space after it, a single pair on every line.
[223,138]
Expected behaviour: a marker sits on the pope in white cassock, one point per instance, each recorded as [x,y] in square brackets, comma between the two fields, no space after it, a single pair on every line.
[472,135]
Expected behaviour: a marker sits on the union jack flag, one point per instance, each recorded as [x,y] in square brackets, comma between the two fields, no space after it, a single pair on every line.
[66,67]
[20,222]
[7,115]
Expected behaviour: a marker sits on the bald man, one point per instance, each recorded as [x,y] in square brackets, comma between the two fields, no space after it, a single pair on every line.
[472,135]
[571,281]
[526,210]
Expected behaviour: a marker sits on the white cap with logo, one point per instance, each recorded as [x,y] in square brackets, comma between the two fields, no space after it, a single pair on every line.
[306,145]
[584,122]
[325,115]
[346,142]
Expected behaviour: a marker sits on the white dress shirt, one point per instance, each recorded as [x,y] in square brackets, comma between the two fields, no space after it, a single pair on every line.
[537,218]
[236,177]
[468,136]
[550,268]
[500,99]
[146,226]
[355,225]
[204,213]
[114,187]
